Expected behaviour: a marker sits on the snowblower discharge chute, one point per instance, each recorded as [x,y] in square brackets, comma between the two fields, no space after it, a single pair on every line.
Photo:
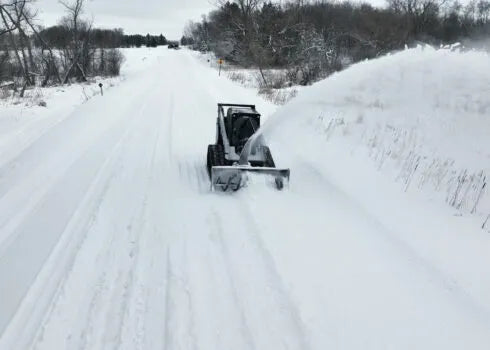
[239,150]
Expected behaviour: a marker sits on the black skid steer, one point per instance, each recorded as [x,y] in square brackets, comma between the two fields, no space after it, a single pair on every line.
[239,150]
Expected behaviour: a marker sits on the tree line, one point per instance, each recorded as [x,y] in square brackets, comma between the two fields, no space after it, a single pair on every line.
[137,40]
[312,39]
[59,35]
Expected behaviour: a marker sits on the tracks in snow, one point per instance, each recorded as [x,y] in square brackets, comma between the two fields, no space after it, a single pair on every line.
[222,291]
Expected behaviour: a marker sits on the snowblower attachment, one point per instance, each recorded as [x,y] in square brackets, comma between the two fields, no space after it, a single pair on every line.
[240,151]
[232,178]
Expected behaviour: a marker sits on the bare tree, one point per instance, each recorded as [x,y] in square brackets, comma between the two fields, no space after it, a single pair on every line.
[247,31]
[420,14]
[51,67]
[13,15]
[26,49]
[80,31]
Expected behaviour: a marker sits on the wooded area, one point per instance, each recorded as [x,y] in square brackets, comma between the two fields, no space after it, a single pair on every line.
[313,39]
[307,39]
[71,51]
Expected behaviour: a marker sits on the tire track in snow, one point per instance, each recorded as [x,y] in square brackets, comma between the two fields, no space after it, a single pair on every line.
[167,330]
[128,285]
[266,257]
[121,292]
[171,111]
[244,327]
[123,289]
[216,315]
[259,284]
[180,323]
[102,285]
[87,330]
[139,303]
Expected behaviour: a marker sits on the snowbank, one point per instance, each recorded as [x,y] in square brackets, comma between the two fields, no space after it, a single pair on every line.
[422,116]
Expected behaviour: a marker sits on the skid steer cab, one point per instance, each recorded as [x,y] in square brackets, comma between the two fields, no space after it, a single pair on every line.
[240,150]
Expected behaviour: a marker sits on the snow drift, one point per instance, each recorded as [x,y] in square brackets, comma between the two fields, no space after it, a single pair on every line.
[422,116]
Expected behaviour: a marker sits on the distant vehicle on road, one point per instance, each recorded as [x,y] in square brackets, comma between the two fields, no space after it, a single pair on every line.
[173,45]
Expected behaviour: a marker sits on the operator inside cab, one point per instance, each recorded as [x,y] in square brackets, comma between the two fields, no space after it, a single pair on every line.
[243,123]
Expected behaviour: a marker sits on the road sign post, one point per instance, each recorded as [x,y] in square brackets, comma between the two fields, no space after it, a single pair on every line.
[220,63]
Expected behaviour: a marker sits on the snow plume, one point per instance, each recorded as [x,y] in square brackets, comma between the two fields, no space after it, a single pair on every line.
[421,115]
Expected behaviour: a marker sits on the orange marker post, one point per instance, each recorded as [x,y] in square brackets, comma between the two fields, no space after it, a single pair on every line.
[220,62]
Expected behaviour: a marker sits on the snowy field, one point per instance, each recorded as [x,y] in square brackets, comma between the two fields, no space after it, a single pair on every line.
[110,237]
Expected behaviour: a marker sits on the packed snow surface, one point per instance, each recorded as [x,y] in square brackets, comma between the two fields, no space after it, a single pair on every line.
[111,238]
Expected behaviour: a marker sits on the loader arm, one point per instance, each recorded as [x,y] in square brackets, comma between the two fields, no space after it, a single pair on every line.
[222,129]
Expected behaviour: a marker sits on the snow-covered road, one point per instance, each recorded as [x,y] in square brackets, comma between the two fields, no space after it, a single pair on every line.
[110,238]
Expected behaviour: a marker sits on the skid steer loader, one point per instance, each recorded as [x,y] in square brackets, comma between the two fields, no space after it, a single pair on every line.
[239,150]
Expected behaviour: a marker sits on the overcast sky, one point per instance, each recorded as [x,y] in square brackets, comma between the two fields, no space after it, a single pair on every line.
[166,17]
[134,16]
